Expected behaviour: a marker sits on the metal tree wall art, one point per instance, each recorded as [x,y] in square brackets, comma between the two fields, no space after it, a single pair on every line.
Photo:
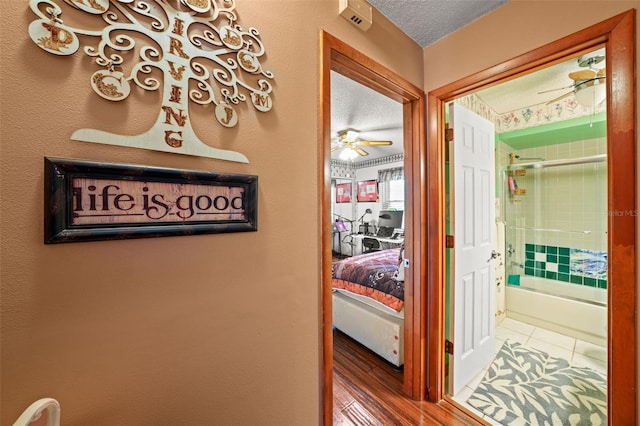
[192,50]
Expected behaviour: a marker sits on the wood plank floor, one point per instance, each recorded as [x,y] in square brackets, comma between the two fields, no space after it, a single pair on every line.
[368,391]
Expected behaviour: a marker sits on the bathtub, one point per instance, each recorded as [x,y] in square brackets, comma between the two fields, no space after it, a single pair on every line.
[573,310]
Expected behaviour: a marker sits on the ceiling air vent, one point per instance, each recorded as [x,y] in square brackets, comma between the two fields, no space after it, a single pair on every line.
[358,12]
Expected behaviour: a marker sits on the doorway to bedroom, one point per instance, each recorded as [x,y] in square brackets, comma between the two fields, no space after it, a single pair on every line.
[360,202]
[367,169]
[367,210]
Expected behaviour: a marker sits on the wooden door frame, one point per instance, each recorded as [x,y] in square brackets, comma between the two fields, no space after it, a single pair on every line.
[617,34]
[342,58]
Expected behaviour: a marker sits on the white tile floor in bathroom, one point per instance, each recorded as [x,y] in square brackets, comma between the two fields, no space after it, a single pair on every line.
[577,352]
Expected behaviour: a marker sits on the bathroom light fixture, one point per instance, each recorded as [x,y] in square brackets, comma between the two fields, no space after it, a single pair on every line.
[592,94]
[588,88]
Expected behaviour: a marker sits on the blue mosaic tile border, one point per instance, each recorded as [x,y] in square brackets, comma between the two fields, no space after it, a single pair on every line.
[576,266]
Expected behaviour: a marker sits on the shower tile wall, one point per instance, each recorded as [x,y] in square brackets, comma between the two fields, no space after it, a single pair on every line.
[564,206]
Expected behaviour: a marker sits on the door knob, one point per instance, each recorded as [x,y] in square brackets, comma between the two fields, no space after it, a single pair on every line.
[494,254]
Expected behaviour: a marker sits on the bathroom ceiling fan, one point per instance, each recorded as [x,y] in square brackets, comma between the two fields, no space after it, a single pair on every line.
[588,85]
[350,142]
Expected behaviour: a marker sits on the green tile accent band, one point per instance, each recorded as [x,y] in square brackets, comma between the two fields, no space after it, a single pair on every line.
[561,258]
[591,282]
[576,279]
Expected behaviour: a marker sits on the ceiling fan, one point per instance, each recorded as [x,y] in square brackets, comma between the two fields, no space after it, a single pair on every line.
[588,85]
[350,142]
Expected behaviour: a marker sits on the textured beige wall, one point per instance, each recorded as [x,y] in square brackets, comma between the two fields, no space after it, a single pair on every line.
[208,329]
[513,29]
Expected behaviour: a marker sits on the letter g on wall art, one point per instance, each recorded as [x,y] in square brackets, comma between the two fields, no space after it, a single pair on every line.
[202,54]
[89,201]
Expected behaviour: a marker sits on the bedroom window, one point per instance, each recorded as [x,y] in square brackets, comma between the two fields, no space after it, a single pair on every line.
[391,188]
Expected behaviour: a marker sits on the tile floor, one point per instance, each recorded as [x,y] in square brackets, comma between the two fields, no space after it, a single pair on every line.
[577,352]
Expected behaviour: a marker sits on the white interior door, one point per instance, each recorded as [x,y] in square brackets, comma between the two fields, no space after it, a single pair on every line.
[472,204]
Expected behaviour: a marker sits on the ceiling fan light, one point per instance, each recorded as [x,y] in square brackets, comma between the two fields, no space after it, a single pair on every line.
[589,96]
[348,154]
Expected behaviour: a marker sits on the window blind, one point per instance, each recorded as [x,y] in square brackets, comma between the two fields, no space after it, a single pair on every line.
[391,188]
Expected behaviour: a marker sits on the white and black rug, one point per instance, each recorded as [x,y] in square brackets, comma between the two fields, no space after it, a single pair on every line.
[525,386]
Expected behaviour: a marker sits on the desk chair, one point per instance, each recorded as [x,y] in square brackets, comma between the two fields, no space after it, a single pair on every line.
[370,245]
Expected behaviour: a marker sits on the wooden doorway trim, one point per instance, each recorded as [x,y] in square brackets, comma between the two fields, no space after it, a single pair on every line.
[617,34]
[342,58]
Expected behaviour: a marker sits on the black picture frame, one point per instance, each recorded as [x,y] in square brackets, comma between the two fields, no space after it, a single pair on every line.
[93,201]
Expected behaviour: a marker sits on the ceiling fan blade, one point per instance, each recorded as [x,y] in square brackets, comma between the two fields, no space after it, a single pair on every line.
[373,143]
[590,82]
[582,75]
[560,98]
[381,128]
[556,89]
[360,151]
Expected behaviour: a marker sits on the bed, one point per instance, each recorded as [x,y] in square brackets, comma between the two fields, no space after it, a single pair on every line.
[368,301]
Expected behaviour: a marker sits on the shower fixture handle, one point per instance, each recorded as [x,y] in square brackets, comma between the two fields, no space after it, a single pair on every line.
[494,254]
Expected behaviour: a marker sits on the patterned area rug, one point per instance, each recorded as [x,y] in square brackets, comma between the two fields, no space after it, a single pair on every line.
[525,386]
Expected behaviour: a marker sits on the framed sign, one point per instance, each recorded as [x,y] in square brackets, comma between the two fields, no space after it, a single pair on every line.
[368,190]
[88,201]
[343,193]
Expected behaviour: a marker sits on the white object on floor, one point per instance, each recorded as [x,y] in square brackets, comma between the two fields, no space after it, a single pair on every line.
[35,411]
[373,328]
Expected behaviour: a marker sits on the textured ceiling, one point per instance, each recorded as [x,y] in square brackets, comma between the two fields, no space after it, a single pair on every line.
[427,21]
[377,117]
[373,115]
